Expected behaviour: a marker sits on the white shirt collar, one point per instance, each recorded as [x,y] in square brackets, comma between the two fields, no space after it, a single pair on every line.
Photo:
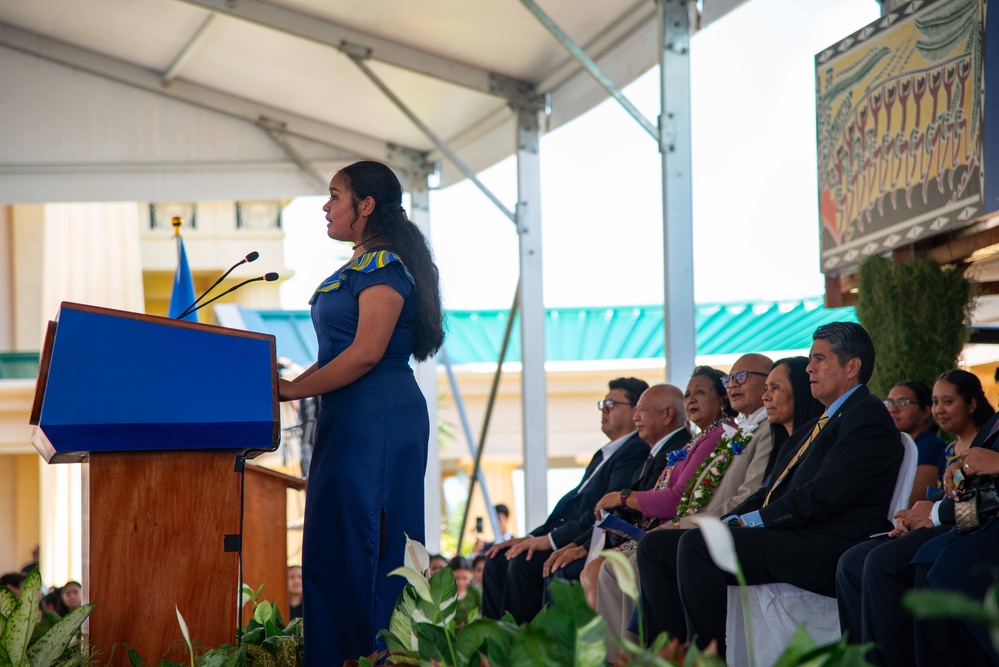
[749,422]
[661,443]
[609,450]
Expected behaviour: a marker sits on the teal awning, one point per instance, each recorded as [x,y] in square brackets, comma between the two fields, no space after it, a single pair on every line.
[590,334]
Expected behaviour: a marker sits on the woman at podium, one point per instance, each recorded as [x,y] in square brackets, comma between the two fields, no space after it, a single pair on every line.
[365,490]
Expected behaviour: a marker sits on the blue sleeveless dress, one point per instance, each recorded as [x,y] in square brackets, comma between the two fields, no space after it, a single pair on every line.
[365,491]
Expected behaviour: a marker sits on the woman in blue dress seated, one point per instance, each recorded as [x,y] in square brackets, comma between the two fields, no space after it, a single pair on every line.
[365,490]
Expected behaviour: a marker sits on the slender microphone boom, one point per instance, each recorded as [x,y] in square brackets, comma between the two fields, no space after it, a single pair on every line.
[267,277]
[252,257]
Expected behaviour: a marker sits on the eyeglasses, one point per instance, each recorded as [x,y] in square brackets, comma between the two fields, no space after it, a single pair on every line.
[739,378]
[900,403]
[608,404]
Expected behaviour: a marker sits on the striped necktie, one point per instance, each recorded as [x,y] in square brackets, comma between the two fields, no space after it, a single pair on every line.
[823,420]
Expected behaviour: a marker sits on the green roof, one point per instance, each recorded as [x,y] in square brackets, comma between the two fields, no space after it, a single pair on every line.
[18,365]
[589,334]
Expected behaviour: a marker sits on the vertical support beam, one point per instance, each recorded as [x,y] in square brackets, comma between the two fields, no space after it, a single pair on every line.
[674,148]
[532,317]
[426,377]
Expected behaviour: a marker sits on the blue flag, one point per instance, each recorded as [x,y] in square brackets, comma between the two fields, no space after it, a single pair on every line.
[183,285]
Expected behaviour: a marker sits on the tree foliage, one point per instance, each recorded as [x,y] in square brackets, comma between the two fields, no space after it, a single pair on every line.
[917,313]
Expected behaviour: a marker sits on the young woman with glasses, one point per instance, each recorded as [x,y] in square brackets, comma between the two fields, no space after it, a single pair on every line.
[909,403]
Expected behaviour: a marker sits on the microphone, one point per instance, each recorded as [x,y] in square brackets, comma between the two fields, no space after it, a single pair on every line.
[252,257]
[268,277]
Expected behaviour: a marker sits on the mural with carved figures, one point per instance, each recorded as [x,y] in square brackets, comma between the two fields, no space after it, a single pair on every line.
[899,118]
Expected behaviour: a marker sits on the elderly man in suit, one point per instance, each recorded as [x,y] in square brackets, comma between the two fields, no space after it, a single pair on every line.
[830,489]
[513,579]
[659,418]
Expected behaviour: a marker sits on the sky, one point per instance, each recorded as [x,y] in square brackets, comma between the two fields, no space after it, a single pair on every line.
[755,220]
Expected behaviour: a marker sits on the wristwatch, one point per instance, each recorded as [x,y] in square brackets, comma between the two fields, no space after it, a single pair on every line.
[624,497]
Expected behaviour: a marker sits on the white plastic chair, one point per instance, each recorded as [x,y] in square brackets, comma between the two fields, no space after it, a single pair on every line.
[776,610]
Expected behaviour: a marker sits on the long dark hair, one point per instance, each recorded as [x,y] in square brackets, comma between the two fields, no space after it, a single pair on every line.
[970,388]
[806,407]
[389,224]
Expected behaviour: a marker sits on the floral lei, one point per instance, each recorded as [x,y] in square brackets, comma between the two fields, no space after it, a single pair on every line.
[731,444]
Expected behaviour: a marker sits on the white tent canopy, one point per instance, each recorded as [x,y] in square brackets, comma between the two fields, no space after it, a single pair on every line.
[165,100]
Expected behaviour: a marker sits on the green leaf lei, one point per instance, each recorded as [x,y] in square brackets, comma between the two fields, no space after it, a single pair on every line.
[696,496]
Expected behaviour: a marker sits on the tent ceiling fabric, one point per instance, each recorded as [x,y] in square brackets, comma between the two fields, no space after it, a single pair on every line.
[282,59]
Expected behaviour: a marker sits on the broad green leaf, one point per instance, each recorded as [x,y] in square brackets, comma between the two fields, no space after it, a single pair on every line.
[625,573]
[270,645]
[576,629]
[54,643]
[799,646]
[433,643]
[7,601]
[21,621]
[399,637]
[254,636]
[473,638]
[444,596]
[134,658]
[262,613]
[416,580]
[925,603]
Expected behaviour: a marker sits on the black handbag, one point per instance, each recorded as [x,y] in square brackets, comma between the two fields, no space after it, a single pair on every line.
[978,506]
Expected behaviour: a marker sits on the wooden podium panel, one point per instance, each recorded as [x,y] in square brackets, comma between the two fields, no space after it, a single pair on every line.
[265,535]
[157,523]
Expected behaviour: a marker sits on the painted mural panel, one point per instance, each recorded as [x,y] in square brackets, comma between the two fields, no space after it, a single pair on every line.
[899,118]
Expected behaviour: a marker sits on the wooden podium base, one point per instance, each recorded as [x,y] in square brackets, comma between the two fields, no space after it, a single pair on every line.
[156,523]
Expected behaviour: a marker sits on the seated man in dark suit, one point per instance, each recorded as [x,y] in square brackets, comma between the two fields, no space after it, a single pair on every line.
[831,488]
[513,579]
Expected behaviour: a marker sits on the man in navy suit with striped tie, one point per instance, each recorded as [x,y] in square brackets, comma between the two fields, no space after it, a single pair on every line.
[513,579]
[831,488]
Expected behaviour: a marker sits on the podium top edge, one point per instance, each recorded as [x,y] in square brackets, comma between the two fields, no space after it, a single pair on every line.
[164,321]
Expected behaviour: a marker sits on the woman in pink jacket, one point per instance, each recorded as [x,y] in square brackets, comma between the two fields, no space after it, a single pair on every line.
[706,404]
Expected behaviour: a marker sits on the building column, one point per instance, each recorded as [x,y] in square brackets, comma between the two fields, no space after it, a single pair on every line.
[89,254]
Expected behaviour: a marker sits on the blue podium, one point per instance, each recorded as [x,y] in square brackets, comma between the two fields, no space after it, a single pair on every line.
[161,412]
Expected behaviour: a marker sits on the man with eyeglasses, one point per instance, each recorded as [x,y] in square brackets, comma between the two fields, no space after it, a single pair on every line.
[513,579]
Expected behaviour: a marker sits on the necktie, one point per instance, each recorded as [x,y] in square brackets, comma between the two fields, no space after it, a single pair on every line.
[647,466]
[592,468]
[823,420]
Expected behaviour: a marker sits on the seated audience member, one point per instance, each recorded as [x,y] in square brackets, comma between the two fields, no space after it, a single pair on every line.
[294,592]
[659,418]
[909,403]
[831,488]
[513,578]
[873,577]
[52,603]
[478,567]
[503,516]
[469,596]
[72,595]
[437,563]
[13,581]
[788,404]
[706,405]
